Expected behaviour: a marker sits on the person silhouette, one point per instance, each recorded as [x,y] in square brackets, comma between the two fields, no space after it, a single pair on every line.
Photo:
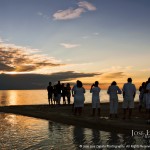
[79,98]
[113,90]
[79,137]
[148,99]
[55,95]
[50,93]
[63,94]
[73,93]
[68,93]
[141,96]
[129,92]
[95,90]
[58,89]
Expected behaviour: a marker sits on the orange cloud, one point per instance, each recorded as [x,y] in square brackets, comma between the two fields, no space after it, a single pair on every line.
[21,59]
[115,75]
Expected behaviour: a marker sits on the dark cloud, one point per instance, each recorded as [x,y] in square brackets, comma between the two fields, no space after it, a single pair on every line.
[71,75]
[115,75]
[4,67]
[19,59]
[37,81]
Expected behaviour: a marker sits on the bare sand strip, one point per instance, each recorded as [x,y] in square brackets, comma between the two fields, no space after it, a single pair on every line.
[63,114]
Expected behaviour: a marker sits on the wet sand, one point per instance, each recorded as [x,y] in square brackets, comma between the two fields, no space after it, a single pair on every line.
[63,114]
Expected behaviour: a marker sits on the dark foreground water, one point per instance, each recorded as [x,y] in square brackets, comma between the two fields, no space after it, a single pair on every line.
[26,133]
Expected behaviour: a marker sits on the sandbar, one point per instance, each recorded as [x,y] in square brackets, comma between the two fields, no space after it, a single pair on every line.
[63,114]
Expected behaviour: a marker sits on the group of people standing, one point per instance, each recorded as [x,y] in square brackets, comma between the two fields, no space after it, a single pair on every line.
[129,91]
[57,91]
[144,96]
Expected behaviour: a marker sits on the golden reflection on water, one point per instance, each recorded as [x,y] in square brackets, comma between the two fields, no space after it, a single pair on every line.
[11,119]
[23,97]
[13,97]
[19,132]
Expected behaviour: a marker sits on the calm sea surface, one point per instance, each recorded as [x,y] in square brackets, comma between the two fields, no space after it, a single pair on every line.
[20,132]
[23,97]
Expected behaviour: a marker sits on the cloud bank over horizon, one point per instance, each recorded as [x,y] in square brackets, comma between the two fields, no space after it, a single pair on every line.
[38,81]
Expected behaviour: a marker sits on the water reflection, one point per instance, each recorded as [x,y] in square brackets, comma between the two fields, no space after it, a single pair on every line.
[3,98]
[19,132]
[50,126]
[96,137]
[22,97]
[113,138]
[78,136]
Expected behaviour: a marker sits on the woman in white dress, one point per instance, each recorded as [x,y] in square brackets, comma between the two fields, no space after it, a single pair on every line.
[113,90]
[95,90]
[79,98]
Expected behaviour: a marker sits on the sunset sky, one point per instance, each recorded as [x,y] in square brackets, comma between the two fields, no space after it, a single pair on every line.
[90,40]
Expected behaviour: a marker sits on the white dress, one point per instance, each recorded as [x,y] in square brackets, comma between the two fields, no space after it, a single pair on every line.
[79,97]
[113,90]
[95,97]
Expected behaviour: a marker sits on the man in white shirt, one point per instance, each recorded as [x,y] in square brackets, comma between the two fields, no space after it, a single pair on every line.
[129,92]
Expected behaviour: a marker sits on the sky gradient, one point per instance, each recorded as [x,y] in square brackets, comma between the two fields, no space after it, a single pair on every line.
[103,40]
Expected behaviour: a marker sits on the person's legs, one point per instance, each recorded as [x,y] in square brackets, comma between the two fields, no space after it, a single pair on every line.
[125,106]
[64,100]
[111,108]
[124,113]
[99,112]
[51,99]
[80,111]
[69,100]
[57,101]
[59,98]
[116,108]
[93,107]
[73,107]
[130,113]
[131,106]
[148,113]
[93,113]
[140,107]
[75,111]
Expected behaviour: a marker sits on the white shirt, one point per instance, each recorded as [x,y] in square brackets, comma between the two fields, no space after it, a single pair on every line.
[95,93]
[113,90]
[129,90]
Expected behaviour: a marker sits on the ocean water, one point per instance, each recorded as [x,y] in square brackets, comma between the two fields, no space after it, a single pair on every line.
[27,133]
[24,97]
